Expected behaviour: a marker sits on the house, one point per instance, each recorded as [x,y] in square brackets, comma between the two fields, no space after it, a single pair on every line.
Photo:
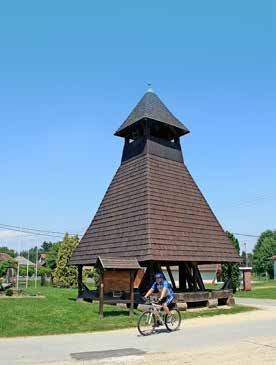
[42,259]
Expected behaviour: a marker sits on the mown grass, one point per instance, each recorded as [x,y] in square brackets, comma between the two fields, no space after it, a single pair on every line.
[59,313]
[263,283]
[262,293]
[260,290]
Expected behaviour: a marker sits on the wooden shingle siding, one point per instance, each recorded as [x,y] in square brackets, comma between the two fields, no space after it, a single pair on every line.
[153,210]
[117,263]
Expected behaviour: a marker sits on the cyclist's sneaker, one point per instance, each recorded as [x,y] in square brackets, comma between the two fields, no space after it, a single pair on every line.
[158,323]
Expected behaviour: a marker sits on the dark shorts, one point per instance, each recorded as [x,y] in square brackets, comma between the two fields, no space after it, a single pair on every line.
[167,300]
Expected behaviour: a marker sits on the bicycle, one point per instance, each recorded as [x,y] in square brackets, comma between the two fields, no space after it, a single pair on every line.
[154,317]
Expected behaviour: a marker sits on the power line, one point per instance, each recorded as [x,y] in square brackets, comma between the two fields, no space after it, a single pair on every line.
[246,235]
[32,234]
[58,234]
[34,231]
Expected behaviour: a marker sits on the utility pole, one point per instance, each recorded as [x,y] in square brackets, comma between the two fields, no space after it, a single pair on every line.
[18,265]
[246,258]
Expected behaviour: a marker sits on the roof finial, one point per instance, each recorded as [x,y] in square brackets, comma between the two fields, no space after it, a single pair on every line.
[150,90]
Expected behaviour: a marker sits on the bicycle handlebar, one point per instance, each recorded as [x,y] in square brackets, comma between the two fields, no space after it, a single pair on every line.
[148,301]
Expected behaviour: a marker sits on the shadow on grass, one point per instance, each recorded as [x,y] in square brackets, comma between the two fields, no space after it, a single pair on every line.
[116,313]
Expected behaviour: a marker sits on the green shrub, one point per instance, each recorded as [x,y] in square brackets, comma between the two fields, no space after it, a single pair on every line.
[5,265]
[23,271]
[65,275]
[232,269]
[89,273]
[44,270]
[97,277]
[9,292]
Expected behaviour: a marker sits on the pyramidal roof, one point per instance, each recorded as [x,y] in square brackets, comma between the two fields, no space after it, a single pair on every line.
[153,210]
[151,107]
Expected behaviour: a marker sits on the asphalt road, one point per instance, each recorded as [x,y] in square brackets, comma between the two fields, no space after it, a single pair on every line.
[245,331]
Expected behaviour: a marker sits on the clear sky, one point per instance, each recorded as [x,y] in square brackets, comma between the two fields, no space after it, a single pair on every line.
[70,72]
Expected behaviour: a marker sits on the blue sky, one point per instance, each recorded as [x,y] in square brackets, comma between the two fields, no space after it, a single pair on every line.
[71,72]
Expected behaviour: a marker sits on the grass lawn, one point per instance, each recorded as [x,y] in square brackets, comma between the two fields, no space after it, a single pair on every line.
[263,283]
[260,290]
[60,313]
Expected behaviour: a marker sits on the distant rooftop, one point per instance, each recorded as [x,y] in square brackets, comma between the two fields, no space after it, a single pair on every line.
[4,256]
[23,261]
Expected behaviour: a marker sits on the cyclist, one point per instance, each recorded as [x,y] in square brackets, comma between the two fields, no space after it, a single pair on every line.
[167,294]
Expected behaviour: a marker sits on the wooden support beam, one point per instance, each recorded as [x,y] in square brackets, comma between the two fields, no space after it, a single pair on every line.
[198,277]
[157,267]
[189,277]
[101,296]
[182,277]
[79,280]
[147,279]
[131,293]
[170,275]
[194,277]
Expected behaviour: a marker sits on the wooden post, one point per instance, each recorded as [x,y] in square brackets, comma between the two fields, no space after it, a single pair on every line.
[170,275]
[198,277]
[189,277]
[131,293]
[147,279]
[182,277]
[79,280]
[101,296]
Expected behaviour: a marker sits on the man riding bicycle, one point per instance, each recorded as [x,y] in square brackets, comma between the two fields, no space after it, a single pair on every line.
[167,294]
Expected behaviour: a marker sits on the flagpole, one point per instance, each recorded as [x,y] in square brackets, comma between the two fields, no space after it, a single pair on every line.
[36,266]
[27,276]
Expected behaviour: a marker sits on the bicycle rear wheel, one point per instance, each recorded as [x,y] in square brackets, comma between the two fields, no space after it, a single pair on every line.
[146,323]
[173,320]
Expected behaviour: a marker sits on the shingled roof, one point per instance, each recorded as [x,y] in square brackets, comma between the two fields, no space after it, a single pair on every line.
[153,210]
[151,107]
[4,256]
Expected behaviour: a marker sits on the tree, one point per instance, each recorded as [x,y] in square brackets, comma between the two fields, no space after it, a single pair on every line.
[43,270]
[31,254]
[23,270]
[263,251]
[5,265]
[232,268]
[51,256]
[5,249]
[63,274]
[46,246]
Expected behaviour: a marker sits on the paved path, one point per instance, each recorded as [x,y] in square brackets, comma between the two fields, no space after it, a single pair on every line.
[245,338]
[265,302]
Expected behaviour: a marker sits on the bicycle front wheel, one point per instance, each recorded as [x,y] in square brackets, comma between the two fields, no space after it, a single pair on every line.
[146,323]
[173,320]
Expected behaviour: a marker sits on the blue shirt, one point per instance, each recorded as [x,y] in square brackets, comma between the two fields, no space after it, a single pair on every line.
[164,284]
